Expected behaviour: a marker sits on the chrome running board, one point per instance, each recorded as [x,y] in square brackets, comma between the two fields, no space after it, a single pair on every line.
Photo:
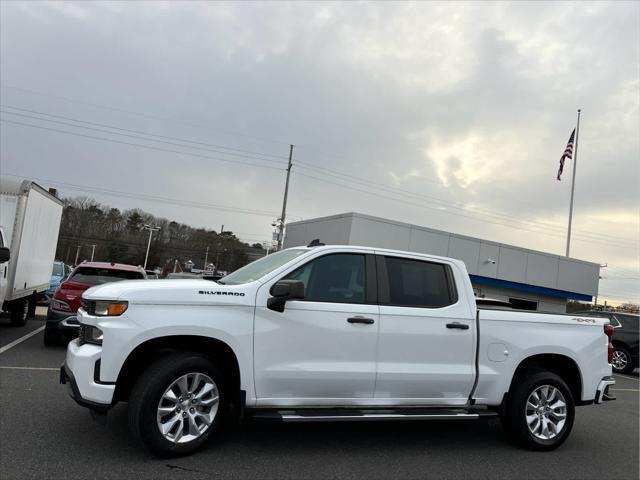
[367,415]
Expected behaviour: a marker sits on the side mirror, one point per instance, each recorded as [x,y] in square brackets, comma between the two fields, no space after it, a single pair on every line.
[282,291]
[5,254]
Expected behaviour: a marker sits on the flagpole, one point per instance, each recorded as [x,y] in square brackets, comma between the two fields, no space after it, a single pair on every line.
[573,182]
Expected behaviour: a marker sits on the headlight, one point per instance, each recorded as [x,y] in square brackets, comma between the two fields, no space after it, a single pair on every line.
[60,305]
[106,308]
[90,334]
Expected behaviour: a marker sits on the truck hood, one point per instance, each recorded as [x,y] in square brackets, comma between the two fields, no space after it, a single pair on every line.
[172,292]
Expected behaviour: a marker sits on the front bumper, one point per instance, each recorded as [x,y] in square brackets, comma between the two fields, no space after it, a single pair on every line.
[81,370]
[63,322]
[602,393]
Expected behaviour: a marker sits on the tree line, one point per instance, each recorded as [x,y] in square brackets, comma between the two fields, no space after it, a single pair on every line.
[118,236]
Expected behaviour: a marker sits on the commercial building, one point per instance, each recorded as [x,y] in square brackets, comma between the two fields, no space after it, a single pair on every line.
[528,279]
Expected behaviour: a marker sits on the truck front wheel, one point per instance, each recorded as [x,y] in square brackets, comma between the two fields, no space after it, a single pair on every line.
[540,411]
[178,404]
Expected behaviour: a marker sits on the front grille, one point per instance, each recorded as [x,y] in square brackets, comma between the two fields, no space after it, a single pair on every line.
[89,306]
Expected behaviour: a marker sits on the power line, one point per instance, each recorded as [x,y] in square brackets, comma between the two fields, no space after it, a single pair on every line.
[325,156]
[304,165]
[333,172]
[139,132]
[147,197]
[243,247]
[379,195]
[624,270]
[142,114]
[456,205]
[149,147]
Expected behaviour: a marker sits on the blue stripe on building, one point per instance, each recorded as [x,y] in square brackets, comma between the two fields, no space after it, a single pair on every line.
[523,287]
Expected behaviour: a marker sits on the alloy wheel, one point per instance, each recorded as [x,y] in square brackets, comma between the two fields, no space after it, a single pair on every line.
[546,412]
[188,407]
[620,360]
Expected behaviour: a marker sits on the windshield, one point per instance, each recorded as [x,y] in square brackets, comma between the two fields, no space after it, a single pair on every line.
[98,276]
[260,268]
[58,270]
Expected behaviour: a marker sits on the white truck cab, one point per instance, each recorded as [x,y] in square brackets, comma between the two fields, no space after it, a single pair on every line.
[330,333]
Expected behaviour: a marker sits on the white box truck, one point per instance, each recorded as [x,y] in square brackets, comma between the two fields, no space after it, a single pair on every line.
[29,227]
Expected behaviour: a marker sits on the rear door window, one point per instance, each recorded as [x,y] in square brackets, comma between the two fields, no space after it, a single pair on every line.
[416,283]
[98,276]
[629,322]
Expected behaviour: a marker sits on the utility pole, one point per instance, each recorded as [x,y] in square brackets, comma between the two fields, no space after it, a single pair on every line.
[573,182]
[284,201]
[206,256]
[151,230]
[93,250]
[77,254]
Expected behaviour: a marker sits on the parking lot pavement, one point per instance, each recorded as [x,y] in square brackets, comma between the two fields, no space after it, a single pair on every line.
[44,434]
[9,334]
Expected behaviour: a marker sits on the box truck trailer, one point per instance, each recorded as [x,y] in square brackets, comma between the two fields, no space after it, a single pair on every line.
[29,227]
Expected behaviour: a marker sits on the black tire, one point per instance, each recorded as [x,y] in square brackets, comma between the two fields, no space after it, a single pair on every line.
[19,312]
[629,366]
[148,391]
[515,419]
[51,338]
[33,302]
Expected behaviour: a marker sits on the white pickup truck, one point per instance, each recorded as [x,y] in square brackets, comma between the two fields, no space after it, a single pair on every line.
[330,333]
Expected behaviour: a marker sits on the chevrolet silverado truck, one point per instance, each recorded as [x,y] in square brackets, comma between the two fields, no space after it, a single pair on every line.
[330,333]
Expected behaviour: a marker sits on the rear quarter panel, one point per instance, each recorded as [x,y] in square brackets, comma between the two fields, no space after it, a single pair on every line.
[522,335]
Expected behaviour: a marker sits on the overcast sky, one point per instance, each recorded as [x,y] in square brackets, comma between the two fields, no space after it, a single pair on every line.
[447,115]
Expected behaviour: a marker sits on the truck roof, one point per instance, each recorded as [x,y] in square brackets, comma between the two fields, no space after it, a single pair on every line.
[383,251]
[18,186]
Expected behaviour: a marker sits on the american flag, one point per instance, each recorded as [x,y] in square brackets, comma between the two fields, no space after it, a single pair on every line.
[568,153]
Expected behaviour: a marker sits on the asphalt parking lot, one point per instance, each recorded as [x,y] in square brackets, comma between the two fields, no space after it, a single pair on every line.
[44,434]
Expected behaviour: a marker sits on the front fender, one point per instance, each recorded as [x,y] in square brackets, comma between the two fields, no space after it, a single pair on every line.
[232,325]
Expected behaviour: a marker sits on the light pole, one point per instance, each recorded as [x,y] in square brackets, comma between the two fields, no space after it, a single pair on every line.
[151,230]
[77,255]
[93,250]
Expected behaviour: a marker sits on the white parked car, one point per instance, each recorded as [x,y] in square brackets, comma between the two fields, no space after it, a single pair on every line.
[331,333]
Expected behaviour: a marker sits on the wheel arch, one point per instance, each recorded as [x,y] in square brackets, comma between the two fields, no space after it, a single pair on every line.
[561,365]
[153,349]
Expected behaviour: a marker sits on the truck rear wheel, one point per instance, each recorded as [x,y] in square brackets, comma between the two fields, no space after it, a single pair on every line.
[540,411]
[19,312]
[178,404]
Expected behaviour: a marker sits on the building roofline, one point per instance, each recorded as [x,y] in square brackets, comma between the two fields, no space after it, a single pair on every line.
[440,232]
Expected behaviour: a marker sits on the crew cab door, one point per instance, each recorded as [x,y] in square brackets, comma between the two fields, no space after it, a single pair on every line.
[320,350]
[426,351]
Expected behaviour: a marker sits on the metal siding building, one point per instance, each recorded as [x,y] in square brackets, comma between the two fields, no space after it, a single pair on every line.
[530,278]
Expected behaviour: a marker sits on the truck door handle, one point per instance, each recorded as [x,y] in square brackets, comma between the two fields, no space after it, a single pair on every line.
[458,325]
[367,321]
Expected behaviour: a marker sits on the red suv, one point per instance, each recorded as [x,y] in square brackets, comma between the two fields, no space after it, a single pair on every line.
[61,316]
